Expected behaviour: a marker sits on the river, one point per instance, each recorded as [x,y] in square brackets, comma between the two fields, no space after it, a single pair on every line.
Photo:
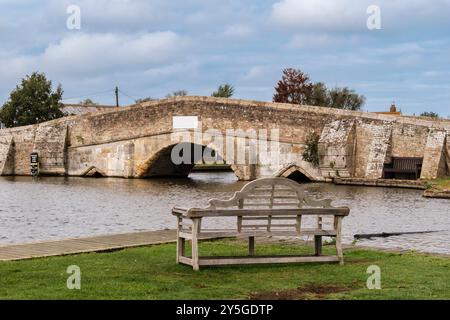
[52,208]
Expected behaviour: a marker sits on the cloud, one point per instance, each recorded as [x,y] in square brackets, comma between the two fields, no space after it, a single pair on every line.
[238,31]
[171,70]
[94,54]
[349,15]
[321,40]
[336,15]
[113,15]
[157,46]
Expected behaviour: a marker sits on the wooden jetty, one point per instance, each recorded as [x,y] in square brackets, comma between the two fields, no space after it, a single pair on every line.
[83,245]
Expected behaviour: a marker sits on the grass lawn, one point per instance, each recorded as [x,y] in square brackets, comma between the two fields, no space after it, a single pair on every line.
[440,184]
[151,273]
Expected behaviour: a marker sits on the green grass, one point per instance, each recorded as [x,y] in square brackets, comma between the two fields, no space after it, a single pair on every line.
[441,184]
[151,273]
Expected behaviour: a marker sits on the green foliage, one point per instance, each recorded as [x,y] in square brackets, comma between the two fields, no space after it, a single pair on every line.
[345,98]
[438,184]
[319,95]
[88,102]
[430,114]
[178,93]
[224,91]
[295,87]
[339,98]
[311,153]
[151,273]
[142,100]
[33,101]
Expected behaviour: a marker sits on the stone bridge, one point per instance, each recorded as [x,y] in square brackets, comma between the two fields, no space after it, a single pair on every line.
[137,141]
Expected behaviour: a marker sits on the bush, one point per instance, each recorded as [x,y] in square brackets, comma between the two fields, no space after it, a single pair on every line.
[311,153]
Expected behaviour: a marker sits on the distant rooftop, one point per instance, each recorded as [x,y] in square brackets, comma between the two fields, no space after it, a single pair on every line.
[78,109]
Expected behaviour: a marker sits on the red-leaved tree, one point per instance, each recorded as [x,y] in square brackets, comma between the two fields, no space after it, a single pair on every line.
[294,87]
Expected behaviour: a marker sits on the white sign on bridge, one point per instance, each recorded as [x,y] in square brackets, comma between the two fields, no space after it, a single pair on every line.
[185,122]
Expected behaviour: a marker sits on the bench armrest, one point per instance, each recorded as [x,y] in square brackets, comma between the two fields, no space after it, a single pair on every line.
[199,213]
[178,211]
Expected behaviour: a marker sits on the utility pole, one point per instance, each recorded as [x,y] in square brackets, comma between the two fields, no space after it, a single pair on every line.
[117,96]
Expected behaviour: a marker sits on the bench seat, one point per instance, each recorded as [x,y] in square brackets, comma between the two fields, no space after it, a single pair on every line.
[223,233]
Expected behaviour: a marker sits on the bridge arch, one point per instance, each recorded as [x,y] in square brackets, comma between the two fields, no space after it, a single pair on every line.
[299,173]
[160,163]
[93,172]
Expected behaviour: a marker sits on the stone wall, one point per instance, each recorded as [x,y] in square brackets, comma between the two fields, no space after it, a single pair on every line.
[50,144]
[434,164]
[6,155]
[409,140]
[126,142]
[337,148]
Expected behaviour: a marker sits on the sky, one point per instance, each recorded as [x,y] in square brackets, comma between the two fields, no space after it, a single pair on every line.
[154,47]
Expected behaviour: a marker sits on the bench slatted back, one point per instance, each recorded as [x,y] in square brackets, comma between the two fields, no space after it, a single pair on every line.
[403,163]
[271,193]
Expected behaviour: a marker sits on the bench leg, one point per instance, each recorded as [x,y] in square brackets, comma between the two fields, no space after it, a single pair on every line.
[195,231]
[180,241]
[317,245]
[339,251]
[180,248]
[251,246]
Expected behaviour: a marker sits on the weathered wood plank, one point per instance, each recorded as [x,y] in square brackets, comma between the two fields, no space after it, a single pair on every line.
[195,232]
[211,234]
[267,217]
[197,213]
[217,261]
[251,246]
[84,245]
[339,251]
[185,260]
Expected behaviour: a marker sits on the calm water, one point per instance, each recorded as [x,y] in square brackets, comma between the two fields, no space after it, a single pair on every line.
[58,208]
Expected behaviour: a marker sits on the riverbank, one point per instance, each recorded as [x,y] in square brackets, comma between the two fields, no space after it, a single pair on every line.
[151,273]
[388,183]
[439,188]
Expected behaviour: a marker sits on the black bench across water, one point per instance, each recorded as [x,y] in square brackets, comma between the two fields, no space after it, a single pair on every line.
[404,166]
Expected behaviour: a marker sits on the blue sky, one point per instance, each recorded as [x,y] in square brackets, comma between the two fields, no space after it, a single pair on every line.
[151,48]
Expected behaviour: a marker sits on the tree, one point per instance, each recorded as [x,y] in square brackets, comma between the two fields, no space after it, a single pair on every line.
[294,87]
[430,114]
[179,93]
[319,95]
[345,98]
[88,102]
[142,100]
[224,91]
[33,101]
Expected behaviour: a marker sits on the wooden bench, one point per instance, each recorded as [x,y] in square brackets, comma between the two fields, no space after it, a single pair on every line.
[264,207]
[405,166]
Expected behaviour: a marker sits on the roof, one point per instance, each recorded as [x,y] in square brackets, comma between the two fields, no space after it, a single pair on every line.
[78,109]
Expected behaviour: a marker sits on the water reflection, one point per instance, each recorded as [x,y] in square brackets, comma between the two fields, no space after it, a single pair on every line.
[57,208]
